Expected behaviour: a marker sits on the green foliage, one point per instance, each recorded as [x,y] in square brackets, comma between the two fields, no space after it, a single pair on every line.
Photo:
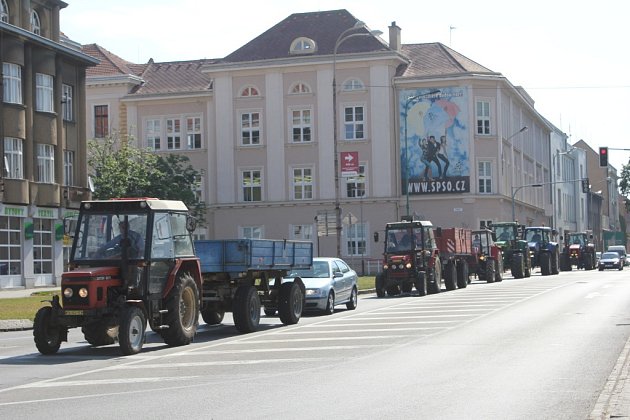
[624,184]
[121,169]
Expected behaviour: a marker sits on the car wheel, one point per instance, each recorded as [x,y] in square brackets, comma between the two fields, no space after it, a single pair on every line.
[330,303]
[352,303]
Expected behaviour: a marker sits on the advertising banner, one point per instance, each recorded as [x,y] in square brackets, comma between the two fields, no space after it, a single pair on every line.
[434,141]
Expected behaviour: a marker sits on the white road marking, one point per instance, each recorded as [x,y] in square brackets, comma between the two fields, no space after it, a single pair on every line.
[222,363]
[107,382]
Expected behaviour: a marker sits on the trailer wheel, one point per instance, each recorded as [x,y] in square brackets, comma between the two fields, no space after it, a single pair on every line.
[379,285]
[246,310]
[212,317]
[95,333]
[450,276]
[182,317]
[47,338]
[421,283]
[131,332]
[291,303]
[462,275]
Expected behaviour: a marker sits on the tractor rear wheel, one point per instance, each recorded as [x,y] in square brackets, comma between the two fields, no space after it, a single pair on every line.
[182,317]
[450,276]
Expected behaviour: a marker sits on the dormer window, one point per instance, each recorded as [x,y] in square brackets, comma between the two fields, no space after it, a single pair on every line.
[352,85]
[249,91]
[303,45]
[4,11]
[36,26]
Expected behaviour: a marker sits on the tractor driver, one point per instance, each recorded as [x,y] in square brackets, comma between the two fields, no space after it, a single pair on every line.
[135,243]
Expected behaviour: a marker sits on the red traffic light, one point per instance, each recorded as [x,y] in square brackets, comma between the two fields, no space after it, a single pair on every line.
[603,156]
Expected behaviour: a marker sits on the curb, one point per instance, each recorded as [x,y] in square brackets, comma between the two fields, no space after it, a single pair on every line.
[16,324]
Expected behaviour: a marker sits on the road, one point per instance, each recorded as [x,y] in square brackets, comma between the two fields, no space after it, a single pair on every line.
[541,347]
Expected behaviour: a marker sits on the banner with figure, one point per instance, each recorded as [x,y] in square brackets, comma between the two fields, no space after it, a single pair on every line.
[434,140]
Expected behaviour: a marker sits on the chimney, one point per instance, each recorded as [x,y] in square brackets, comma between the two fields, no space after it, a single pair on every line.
[394,37]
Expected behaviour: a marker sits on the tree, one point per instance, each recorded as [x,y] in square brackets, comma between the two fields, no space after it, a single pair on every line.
[120,169]
[624,184]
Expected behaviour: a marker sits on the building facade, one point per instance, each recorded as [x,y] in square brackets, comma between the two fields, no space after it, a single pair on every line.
[319,122]
[43,129]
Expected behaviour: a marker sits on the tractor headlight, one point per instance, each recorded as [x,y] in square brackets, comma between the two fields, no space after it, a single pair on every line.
[83,292]
[385,266]
[408,266]
[67,293]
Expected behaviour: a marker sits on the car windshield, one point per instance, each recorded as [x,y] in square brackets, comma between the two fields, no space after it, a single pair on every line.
[319,269]
[609,255]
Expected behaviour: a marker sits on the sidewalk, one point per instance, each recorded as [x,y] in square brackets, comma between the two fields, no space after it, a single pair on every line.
[20,324]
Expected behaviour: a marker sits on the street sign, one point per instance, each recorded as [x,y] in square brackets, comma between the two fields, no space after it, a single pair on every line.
[349,163]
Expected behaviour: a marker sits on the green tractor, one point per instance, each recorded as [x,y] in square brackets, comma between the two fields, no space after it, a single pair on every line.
[515,250]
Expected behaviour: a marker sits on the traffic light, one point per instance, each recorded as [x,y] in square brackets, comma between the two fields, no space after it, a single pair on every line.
[603,156]
[585,185]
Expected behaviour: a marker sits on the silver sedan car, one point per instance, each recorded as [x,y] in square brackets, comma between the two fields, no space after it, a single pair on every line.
[329,282]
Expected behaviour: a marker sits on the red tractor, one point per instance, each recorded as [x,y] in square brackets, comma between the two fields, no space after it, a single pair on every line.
[487,259]
[579,251]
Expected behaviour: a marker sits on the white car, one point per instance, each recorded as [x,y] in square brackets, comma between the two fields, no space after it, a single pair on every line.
[329,282]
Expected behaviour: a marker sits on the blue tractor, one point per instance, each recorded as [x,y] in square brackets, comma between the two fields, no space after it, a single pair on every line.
[543,250]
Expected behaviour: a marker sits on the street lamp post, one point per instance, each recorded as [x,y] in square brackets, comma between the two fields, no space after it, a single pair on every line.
[512,166]
[344,36]
[407,103]
[515,190]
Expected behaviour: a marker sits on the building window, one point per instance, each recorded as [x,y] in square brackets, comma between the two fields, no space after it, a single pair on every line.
[45,163]
[299,88]
[301,125]
[352,85]
[13,158]
[301,232]
[42,246]
[249,91]
[302,181]
[303,45]
[10,246]
[101,121]
[355,241]
[485,224]
[43,92]
[355,185]
[485,177]
[12,83]
[68,167]
[173,134]
[354,121]
[251,232]
[4,11]
[198,187]
[483,117]
[67,103]
[251,184]
[36,26]
[153,134]
[193,132]
[250,129]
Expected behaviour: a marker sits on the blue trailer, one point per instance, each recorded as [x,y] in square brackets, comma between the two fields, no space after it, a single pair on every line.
[240,275]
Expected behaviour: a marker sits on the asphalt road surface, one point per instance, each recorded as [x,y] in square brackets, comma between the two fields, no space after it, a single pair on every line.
[541,347]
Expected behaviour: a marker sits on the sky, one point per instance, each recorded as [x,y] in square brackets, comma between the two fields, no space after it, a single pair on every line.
[571,56]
